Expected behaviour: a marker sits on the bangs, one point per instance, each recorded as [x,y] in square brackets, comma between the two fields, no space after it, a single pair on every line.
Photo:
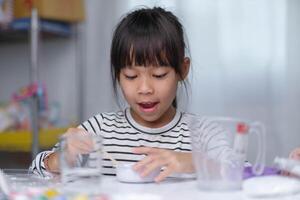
[145,51]
[145,48]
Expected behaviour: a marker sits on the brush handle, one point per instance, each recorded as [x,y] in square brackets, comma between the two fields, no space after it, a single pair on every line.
[108,155]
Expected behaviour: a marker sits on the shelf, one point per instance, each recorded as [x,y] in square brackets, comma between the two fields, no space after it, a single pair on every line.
[32,30]
[19,29]
[22,140]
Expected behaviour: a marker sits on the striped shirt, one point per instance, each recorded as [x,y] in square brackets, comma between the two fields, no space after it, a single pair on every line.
[120,133]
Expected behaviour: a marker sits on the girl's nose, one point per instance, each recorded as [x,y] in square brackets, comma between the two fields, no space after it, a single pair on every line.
[145,87]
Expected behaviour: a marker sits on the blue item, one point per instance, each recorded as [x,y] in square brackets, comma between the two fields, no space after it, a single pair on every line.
[267,171]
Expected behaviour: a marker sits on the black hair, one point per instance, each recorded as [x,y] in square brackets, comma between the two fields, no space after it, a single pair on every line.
[147,36]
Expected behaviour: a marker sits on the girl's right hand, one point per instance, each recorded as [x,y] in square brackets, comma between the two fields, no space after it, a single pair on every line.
[171,161]
[77,143]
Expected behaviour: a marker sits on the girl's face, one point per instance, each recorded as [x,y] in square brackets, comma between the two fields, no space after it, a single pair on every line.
[150,92]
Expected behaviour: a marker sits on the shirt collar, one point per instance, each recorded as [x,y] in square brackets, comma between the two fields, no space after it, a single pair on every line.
[153,131]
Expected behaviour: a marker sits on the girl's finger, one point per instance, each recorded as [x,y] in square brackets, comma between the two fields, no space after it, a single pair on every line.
[142,163]
[164,174]
[78,134]
[151,167]
[79,142]
[80,148]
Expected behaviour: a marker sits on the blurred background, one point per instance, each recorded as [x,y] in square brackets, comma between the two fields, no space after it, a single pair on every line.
[245,64]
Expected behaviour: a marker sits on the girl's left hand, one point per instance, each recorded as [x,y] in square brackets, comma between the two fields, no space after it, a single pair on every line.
[178,162]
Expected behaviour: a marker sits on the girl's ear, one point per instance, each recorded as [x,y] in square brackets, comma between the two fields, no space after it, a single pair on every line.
[185,67]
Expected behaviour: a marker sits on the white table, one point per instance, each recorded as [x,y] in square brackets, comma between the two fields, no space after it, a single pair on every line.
[170,189]
[173,189]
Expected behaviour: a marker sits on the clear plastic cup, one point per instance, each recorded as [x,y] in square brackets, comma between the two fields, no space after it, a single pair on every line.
[80,163]
[220,158]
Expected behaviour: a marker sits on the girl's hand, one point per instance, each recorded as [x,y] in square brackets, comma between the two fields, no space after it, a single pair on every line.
[73,148]
[77,143]
[171,161]
[295,154]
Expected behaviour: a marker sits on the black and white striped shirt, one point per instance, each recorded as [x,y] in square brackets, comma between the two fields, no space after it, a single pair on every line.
[120,133]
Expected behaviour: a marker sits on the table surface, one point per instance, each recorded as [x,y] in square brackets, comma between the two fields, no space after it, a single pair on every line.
[170,189]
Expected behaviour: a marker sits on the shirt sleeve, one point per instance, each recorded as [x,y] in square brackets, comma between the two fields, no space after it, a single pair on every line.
[38,166]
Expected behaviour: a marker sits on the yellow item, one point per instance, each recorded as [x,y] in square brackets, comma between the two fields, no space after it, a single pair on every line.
[22,140]
[51,193]
[61,10]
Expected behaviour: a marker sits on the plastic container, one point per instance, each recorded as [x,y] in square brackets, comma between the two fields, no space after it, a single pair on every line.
[223,168]
[126,173]
[81,171]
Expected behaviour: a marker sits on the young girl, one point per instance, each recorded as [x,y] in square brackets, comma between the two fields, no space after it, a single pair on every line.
[147,61]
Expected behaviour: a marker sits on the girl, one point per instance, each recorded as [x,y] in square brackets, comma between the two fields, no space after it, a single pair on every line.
[147,61]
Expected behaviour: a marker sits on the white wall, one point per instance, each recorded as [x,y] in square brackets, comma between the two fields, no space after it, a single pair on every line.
[101,17]
[239,62]
[290,132]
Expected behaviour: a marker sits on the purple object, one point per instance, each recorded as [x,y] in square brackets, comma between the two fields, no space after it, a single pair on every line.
[267,171]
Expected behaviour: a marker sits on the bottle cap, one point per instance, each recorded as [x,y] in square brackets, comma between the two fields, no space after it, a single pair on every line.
[242,128]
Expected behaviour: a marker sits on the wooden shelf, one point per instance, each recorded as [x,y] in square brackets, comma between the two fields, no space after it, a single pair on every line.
[22,140]
[19,30]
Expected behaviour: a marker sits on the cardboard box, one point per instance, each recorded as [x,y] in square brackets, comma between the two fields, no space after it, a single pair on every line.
[62,10]
[6,11]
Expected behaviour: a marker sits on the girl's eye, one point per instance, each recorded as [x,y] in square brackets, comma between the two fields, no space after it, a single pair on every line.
[160,75]
[130,77]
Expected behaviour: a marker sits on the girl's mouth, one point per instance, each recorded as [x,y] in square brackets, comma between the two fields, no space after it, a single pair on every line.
[148,106]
